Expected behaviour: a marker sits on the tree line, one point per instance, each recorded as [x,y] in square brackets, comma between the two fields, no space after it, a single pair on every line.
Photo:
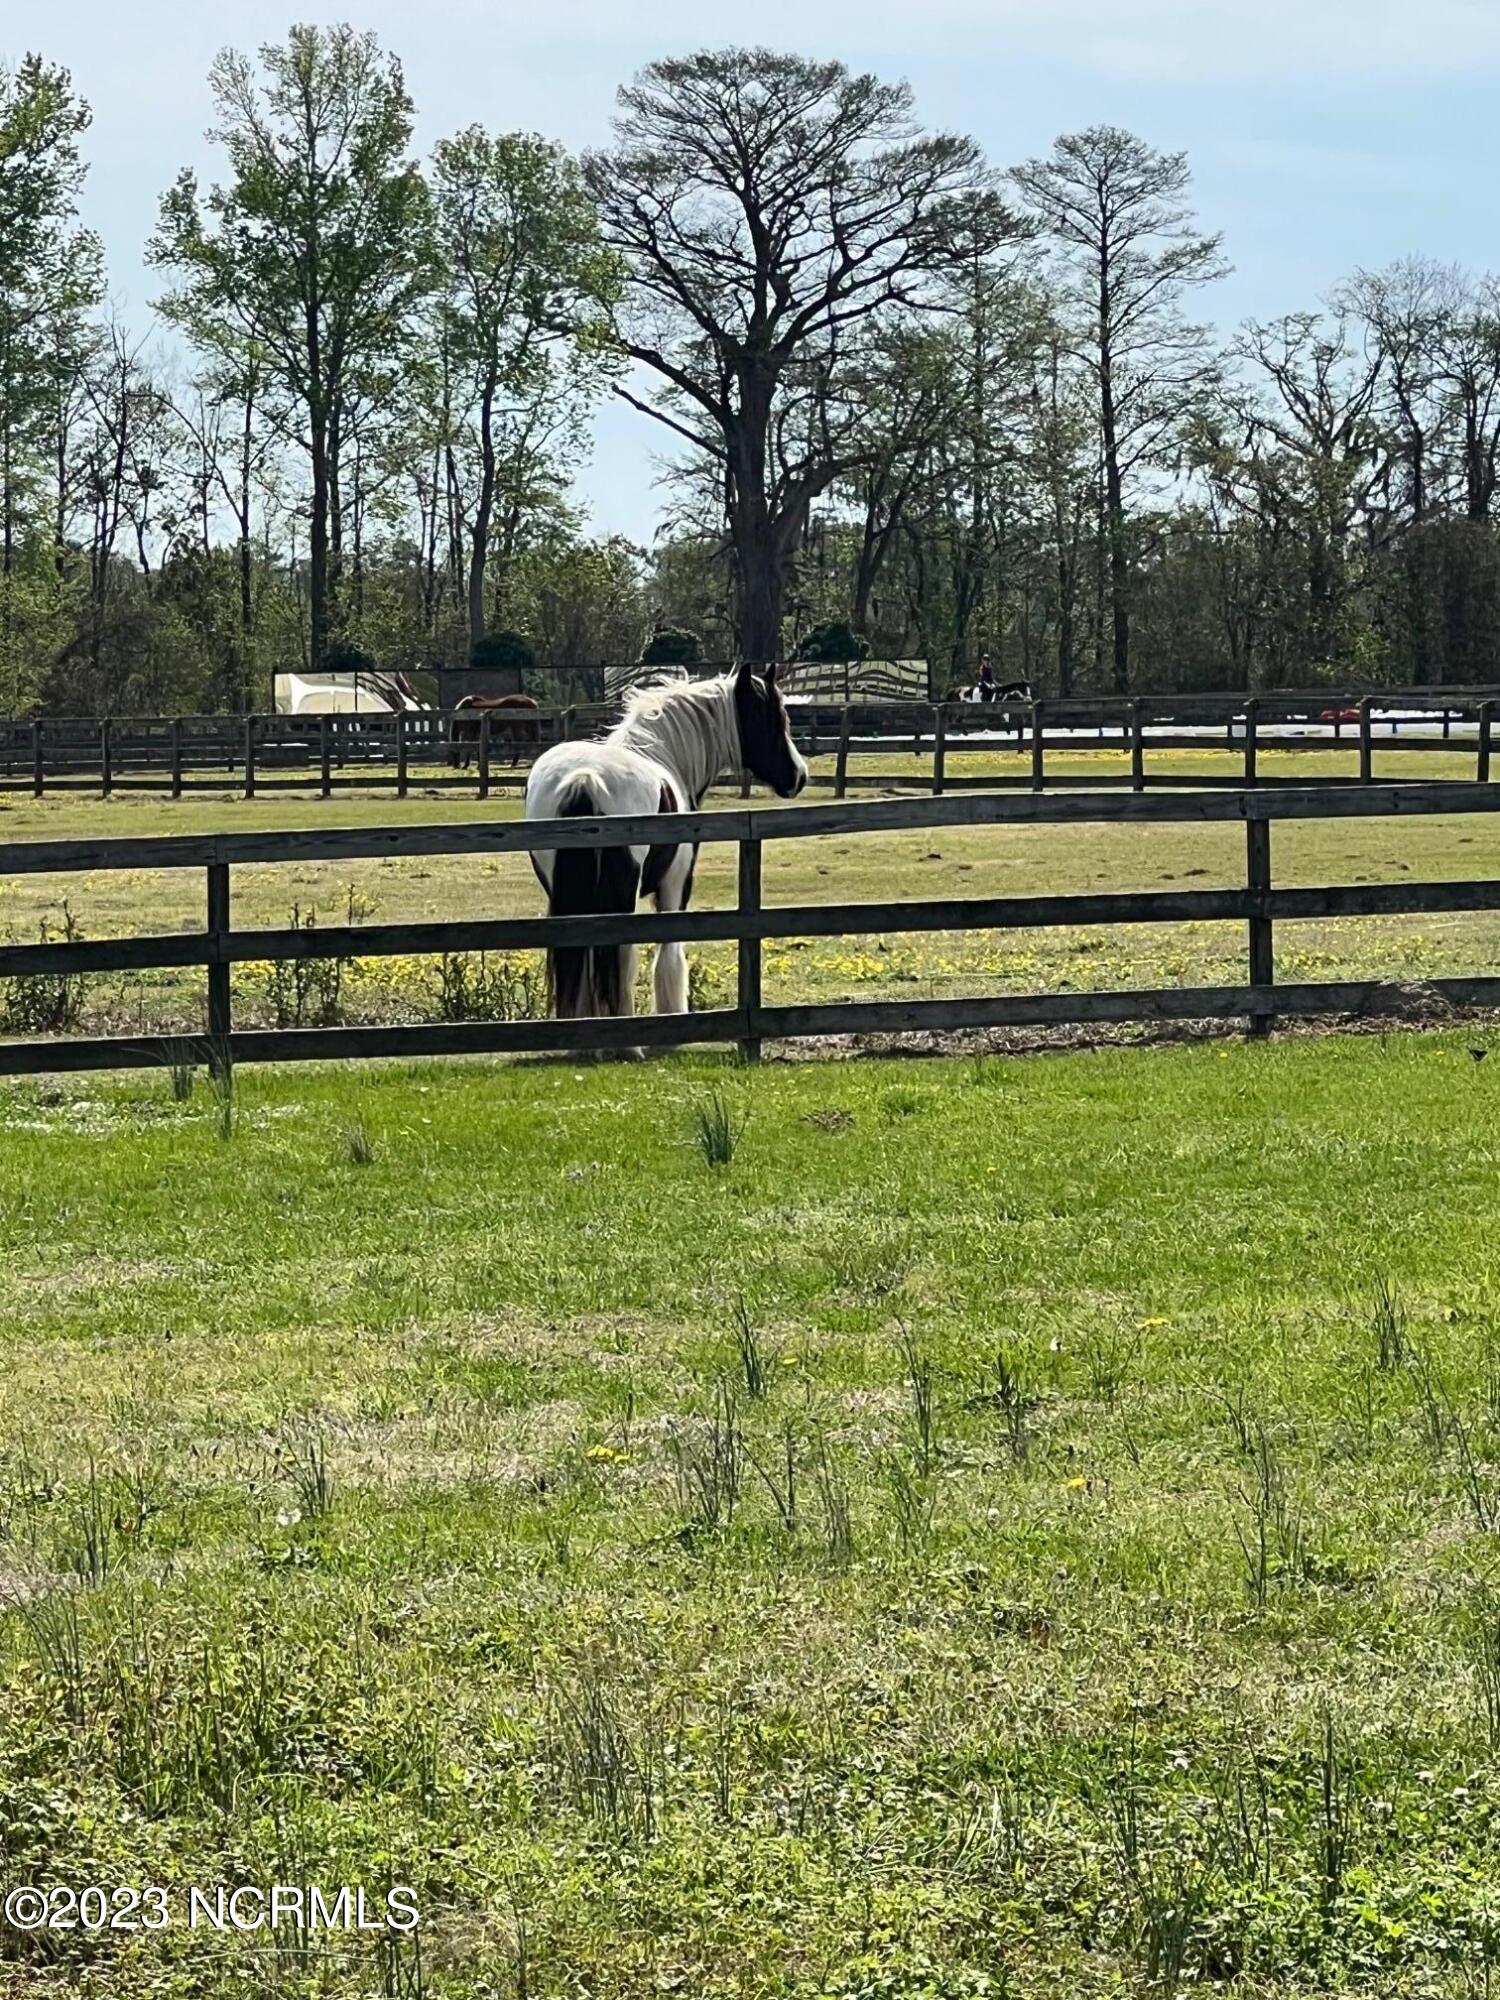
[955,408]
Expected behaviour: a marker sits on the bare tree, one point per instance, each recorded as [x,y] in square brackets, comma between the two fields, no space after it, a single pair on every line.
[767,206]
[1117,210]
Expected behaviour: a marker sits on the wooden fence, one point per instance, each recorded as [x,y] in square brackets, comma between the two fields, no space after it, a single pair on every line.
[1258,904]
[395,754]
[1458,722]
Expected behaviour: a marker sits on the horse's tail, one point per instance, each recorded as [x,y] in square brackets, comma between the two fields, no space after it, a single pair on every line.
[587,882]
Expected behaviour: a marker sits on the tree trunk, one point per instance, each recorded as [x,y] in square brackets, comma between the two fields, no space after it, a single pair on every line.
[1064,625]
[760,595]
[1114,511]
[479,543]
[247,572]
[760,561]
[317,546]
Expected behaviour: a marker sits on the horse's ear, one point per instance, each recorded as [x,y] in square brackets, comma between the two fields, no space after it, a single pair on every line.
[771,674]
[742,671]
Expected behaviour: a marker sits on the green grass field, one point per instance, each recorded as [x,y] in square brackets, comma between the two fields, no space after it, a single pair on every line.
[961,861]
[1016,1528]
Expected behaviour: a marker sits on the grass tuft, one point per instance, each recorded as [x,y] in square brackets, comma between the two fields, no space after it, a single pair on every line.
[716,1129]
[358,1142]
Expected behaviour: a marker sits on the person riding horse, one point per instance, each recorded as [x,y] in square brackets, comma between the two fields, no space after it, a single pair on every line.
[986,688]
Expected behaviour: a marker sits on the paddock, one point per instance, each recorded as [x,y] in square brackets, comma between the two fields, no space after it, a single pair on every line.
[1050,1471]
[1073,1474]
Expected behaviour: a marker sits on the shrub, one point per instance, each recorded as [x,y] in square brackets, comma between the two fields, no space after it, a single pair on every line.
[347,658]
[306,992]
[834,641]
[502,649]
[475,986]
[45,1003]
[672,646]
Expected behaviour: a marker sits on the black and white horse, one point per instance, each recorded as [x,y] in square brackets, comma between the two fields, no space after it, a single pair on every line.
[662,757]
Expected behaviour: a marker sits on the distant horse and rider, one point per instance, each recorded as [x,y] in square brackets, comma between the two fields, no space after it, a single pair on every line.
[670,746]
[513,719]
[987,689]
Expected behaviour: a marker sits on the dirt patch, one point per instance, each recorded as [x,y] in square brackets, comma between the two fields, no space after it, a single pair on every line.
[1395,1006]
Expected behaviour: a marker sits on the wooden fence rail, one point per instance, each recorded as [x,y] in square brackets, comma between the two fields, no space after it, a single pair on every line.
[334,753]
[1258,904]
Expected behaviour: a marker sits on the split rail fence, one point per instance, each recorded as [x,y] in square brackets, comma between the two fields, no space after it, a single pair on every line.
[1256,903]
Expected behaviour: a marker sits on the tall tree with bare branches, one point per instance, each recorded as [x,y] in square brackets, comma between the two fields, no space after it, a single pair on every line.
[1117,211]
[769,209]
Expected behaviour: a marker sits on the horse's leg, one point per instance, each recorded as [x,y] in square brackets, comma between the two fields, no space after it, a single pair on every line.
[671,892]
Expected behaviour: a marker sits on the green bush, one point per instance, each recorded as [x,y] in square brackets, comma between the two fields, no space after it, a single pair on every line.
[672,646]
[835,642]
[345,657]
[45,1003]
[502,649]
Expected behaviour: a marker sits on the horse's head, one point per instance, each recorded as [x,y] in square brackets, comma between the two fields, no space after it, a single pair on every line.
[766,747]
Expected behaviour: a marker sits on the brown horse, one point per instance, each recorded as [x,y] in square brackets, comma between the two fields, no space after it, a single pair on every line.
[513,720]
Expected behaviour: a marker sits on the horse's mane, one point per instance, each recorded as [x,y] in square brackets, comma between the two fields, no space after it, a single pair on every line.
[688,725]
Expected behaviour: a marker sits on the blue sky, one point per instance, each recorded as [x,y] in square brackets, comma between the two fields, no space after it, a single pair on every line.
[1322,136]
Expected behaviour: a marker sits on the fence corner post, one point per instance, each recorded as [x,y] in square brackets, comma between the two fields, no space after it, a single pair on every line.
[1486,724]
[748,1001]
[401,753]
[1038,747]
[249,756]
[1252,744]
[484,753]
[1366,755]
[176,734]
[939,747]
[1137,746]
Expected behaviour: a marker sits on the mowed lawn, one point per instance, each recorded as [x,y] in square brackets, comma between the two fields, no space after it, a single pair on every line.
[956,862]
[1019,1527]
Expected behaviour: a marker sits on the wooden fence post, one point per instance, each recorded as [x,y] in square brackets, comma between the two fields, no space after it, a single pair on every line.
[1137,746]
[249,756]
[484,753]
[401,754]
[218,970]
[1262,942]
[38,761]
[1365,759]
[748,999]
[841,762]
[939,747]
[1252,746]
[1038,747]
[106,746]
[1486,719]
[325,757]
[176,735]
